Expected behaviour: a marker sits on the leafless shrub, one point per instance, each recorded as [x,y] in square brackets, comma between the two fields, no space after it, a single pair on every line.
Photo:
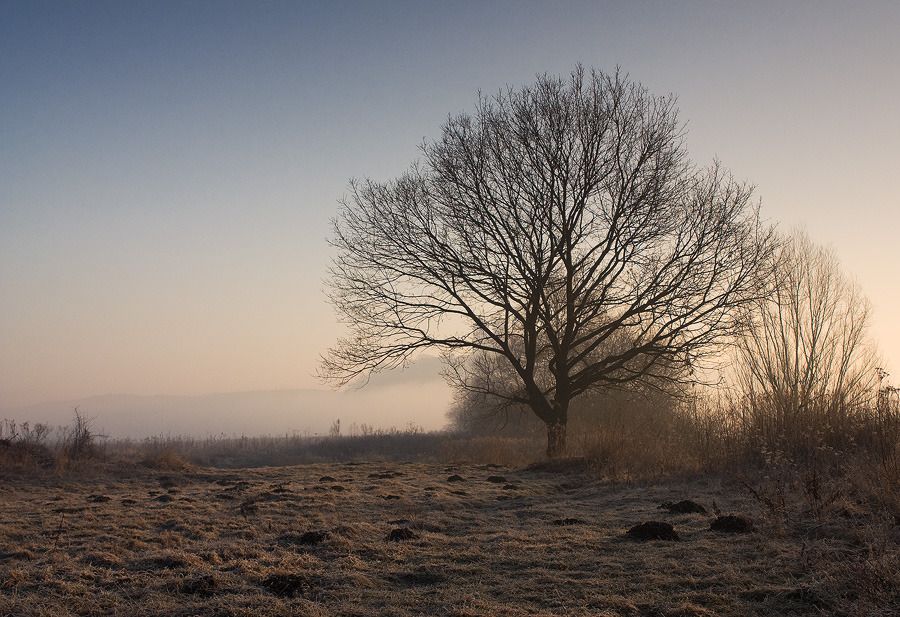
[79,443]
[23,446]
[805,369]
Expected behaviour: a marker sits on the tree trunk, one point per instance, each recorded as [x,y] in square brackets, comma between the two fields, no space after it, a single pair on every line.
[556,439]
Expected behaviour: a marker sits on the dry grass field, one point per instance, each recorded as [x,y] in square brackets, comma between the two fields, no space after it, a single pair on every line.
[411,539]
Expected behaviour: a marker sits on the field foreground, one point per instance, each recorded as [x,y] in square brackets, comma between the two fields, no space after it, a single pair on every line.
[408,539]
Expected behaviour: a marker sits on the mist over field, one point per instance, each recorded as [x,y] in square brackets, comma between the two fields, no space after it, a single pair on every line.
[415,396]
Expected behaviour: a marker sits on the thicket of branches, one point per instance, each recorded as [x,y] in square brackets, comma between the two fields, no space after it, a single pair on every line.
[25,445]
[806,369]
[555,241]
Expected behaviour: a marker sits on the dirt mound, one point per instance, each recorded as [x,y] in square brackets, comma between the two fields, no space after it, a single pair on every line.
[455,478]
[313,537]
[653,530]
[327,479]
[732,523]
[167,561]
[496,479]
[401,534]
[307,538]
[203,586]
[685,506]
[288,585]
[98,498]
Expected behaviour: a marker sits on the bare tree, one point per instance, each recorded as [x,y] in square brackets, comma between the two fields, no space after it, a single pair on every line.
[556,220]
[806,361]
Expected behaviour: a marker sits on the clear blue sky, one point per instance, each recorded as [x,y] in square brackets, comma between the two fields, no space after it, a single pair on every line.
[168,170]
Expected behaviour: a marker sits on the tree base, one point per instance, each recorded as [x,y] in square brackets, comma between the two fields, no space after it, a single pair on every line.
[556,440]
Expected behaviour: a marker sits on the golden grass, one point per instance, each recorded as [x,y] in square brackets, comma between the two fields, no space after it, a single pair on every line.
[230,543]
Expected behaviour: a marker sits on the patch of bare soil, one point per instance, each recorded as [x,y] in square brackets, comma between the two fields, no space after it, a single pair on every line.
[400,540]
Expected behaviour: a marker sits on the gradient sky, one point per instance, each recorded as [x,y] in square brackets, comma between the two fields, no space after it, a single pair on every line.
[168,170]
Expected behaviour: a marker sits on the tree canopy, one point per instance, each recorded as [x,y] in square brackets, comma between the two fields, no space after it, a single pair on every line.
[556,240]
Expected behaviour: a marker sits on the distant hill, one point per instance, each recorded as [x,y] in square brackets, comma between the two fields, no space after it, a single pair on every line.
[416,395]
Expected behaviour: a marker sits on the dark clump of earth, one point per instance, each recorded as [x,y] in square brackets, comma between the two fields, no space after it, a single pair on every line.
[307,538]
[389,497]
[455,478]
[653,530]
[312,537]
[685,506]
[732,523]
[165,562]
[98,498]
[326,479]
[203,586]
[400,534]
[496,479]
[287,585]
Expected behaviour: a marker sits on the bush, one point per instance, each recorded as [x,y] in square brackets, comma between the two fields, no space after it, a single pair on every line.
[23,446]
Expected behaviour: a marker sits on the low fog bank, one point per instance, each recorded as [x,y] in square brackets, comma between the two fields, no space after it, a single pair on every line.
[417,395]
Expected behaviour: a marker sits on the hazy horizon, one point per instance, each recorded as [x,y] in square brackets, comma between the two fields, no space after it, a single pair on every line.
[168,171]
[414,397]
